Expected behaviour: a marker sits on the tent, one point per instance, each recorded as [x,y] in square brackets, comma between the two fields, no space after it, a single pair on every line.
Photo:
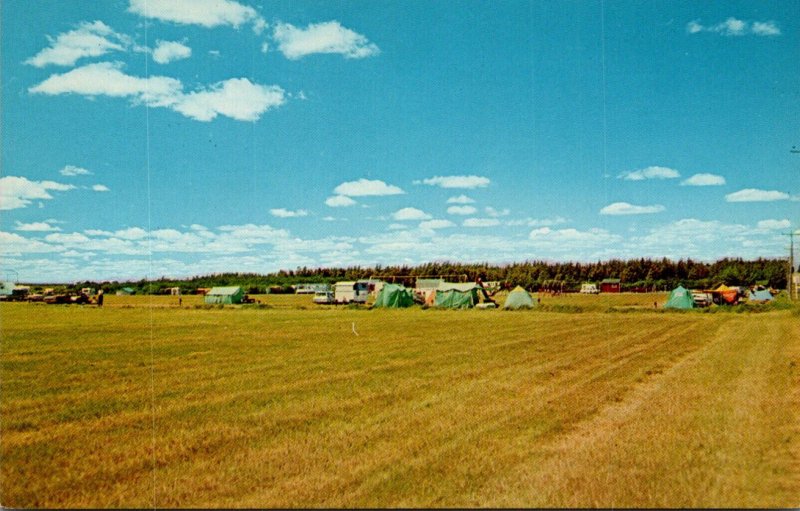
[727,294]
[679,298]
[394,296]
[518,299]
[761,295]
[451,295]
[224,295]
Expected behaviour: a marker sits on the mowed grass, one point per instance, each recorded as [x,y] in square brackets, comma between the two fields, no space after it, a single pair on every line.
[142,404]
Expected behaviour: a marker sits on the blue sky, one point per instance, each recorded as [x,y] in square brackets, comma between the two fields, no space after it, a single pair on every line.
[143,138]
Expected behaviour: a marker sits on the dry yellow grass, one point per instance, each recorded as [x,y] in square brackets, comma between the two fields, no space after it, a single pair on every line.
[183,407]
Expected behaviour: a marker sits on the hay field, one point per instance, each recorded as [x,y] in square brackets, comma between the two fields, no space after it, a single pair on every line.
[143,403]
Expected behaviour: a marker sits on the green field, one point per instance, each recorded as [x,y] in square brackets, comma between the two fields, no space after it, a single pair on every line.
[593,401]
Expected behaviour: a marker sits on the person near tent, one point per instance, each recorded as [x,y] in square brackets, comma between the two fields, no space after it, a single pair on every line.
[100,298]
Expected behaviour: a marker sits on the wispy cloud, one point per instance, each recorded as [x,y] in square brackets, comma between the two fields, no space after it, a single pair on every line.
[436,224]
[460,199]
[704,180]
[206,13]
[286,213]
[410,214]
[654,172]
[468,182]
[497,212]
[735,27]
[756,195]
[72,170]
[170,51]
[367,187]
[18,192]
[481,222]
[770,225]
[624,208]
[237,98]
[36,227]
[326,37]
[88,40]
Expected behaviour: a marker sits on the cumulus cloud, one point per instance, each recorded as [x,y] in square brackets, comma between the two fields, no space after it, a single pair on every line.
[624,208]
[18,192]
[326,37]
[366,187]
[100,188]
[436,224]
[88,40]
[339,201]
[236,98]
[704,180]
[481,222]
[456,181]
[169,51]
[285,213]
[36,227]
[756,195]
[206,13]
[461,210]
[653,172]
[410,214]
[495,212]
[769,225]
[735,27]
[568,239]
[460,199]
[72,170]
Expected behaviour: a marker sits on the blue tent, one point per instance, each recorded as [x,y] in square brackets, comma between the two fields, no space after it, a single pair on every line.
[761,295]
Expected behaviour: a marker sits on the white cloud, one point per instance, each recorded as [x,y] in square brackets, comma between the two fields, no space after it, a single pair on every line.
[461,210]
[736,27]
[654,172]
[397,227]
[704,180]
[339,201]
[326,37]
[461,199]
[36,227]
[100,188]
[457,181]
[206,13]
[539,222]
[72,170]
[14,244]
[481,222]
[570,239]
[436,224]
[285,213]
[410,214]
[169,51]
[366,187]
[623,208]
[236,98]
[88,40]
[755,195]
[18,192]
[495,213]
[774,224]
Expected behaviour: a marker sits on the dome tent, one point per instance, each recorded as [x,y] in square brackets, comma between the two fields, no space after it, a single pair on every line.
[518,299]
[394,296]
[680,298]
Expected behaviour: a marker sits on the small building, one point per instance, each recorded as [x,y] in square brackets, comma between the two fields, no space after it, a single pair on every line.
[173,291]
[610,286]
[224,295]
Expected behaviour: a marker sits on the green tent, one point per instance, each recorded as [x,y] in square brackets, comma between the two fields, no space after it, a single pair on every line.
[680,298]
[456,296]
[518,299]
[224,295]
[394,296]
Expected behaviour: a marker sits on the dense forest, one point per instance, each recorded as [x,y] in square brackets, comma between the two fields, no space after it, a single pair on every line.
[634,274]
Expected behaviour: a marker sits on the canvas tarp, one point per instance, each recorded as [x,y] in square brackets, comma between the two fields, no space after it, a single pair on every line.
[727,294]
[518,299]
[679,298]
[394,296]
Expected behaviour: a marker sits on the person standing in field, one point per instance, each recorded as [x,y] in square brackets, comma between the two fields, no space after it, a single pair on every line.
[100,298]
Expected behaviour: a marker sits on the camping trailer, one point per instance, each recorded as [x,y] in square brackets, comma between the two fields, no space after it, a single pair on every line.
[350,292]
[589,289]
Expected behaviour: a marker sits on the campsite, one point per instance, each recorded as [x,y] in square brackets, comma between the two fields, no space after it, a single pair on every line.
[582,400]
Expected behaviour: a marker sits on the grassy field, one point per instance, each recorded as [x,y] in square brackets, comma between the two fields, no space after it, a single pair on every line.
[285,404]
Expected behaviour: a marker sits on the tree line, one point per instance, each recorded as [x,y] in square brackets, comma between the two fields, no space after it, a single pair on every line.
[634,274]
